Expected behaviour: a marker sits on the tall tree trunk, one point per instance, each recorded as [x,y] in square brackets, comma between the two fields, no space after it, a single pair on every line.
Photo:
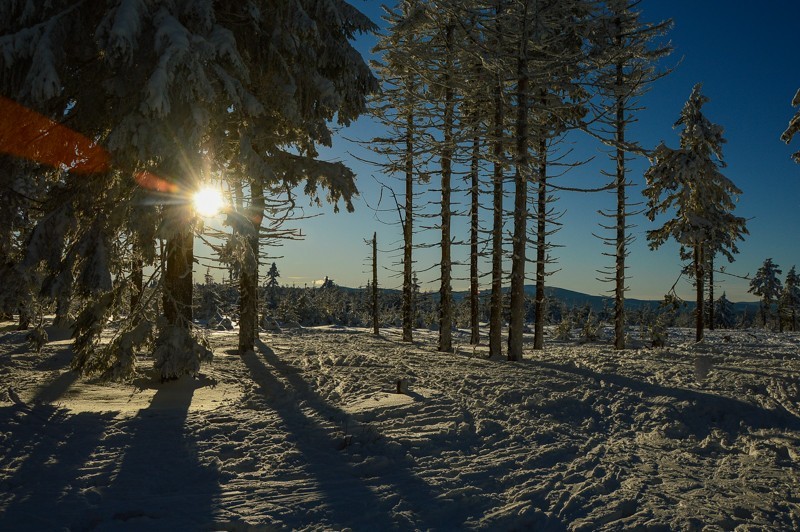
[408,234]
[496,304]
[63,304]
[541,243]
[519,238]
[248,281]
[375,318]
[445,291]
[178,274]
[137,279]
[474,294]
[619,286]
[711,293]
[699,275]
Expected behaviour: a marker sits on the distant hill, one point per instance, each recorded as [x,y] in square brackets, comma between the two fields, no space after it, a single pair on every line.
[576,299]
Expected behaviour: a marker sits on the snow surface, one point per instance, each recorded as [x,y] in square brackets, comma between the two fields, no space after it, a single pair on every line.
[309,433]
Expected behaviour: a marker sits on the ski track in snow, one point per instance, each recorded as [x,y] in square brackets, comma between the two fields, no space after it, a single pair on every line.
[308,433]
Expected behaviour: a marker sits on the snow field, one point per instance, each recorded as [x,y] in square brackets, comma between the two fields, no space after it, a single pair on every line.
[307,433]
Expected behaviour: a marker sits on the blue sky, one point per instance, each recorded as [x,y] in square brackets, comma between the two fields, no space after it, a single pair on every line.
[743,56]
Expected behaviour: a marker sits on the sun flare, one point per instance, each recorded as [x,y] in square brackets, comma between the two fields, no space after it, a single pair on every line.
[208,201]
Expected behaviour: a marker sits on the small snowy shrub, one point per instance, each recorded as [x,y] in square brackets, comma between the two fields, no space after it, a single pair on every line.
[563,330]
[180,352]
[658,333]
[590,331]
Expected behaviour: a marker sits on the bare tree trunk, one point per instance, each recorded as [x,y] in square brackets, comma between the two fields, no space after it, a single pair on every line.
[474,294]
[137,279]
[711,293]
[619,288]
[445,290]
[408,235]
[178,274]
[541,243]
[496,304]
[248,282]
[519,238]
[699,275]
[375,320]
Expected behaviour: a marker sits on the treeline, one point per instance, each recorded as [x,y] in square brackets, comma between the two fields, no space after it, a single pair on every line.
[217,306]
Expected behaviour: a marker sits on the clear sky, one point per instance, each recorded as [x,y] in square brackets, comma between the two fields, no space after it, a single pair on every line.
[741,52]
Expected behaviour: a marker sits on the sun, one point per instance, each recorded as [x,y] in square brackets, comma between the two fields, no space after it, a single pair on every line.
[208,201]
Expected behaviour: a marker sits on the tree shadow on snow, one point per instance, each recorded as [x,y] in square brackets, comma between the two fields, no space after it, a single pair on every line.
[48,451]
[88,470]
[349,499]
[159,480]
[723,412]
[55,389]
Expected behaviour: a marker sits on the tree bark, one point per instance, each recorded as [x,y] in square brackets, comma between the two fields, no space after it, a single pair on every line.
[248,282]
[699,275]
[408,234]
[137,280]
[474,294]
[445,290]
[519,238]
[541,243]
[179,261]
[711,293]
[496,304]
[375,318]
[619,286]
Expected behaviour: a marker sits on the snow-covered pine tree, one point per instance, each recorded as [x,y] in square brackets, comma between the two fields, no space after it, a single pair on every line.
[625,51]
[688,180]
[794,126]
[789,301]
[766,284]
[118,75]
[272,276]
[724,313]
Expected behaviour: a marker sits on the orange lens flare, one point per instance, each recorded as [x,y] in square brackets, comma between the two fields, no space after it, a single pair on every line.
[151,181]
[27,134]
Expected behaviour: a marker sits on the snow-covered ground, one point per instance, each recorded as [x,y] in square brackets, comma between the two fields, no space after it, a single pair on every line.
[309,433]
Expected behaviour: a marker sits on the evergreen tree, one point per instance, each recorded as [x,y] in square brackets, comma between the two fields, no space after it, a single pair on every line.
[789,302]
[272,276]
[689,181]
[767,285]
[266,83]
[724,314]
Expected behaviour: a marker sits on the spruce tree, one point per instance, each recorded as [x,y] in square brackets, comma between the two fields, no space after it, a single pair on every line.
[789,302]
[117,75]
[724,313]
[688,180]
[766,284]
[272,276]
